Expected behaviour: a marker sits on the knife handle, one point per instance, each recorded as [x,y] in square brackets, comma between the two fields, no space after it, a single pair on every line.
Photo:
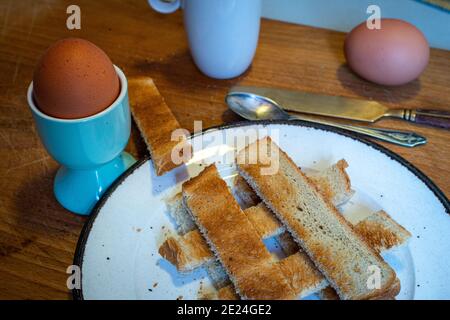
[434,118]
[401,138]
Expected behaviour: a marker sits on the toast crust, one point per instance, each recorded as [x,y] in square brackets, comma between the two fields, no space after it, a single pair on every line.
[264,221]
[291,195]
[334,183]
[190,250]
[187,252]
[240,249]
[155,122]
[380,231]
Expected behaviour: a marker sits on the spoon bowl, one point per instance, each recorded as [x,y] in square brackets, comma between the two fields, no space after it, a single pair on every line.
[254,107]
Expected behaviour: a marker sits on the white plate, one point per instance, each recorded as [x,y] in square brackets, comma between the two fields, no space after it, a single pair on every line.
[118,248]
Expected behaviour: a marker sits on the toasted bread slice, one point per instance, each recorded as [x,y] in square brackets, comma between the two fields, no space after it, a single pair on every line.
[227,293]
[243,193]
[155,122]
[178,213]
[191,253]
[264,221]
[187,252]
[381,232]
[382,227]
[333,181]
[287,243]
[328,239]
[330,294]
[217,274]
[240,249]
[302,274]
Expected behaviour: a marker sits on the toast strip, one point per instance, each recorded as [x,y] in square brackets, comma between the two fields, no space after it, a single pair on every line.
[382,232]
[333,182]
[378,230]
[233,238]
[187,252]
[264,221]
[155,122]
[191,251]
[328,239]
[330,294]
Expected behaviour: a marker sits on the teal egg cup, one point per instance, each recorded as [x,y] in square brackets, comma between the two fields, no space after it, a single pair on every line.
[89,150]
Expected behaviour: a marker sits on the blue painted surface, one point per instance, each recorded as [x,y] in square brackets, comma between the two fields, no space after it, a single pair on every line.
[344,15]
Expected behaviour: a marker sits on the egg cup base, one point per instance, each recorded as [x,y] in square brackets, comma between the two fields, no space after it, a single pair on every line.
[79,190]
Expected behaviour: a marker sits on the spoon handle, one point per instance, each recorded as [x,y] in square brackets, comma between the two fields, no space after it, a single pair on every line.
[402,138]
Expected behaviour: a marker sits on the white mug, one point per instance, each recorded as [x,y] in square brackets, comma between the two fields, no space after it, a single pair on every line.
[223,34]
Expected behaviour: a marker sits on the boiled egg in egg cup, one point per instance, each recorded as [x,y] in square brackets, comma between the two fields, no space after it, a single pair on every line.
[90,149]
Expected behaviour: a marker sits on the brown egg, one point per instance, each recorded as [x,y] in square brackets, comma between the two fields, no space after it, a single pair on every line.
[74,79]
[393,55]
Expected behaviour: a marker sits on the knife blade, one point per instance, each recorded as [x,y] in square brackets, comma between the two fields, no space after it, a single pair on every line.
[345,108]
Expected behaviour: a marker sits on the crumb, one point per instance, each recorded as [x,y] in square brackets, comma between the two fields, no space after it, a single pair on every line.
[418,237]
[381,196]
[180,298]
[205,293]
[151,228]
[155,284]
[418,285]
[151,290]
[138,230]
[107,258]
[163,227]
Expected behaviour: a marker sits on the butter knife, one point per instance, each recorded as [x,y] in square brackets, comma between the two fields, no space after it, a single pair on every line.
[346,108]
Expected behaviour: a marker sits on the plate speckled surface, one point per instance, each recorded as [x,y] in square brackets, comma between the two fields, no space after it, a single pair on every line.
[118,247]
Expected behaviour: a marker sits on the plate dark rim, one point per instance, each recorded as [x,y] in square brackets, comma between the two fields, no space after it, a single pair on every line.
[84,235]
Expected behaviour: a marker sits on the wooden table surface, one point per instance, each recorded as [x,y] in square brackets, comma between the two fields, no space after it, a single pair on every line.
[37,236]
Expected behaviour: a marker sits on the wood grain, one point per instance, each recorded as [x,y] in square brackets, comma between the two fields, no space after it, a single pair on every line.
[37,236]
